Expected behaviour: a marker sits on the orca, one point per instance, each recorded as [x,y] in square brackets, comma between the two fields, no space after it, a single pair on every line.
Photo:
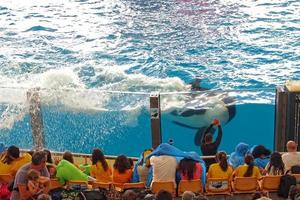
[201,108]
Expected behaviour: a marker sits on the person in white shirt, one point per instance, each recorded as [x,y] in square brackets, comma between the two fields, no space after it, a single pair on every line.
[164,168]
[292,157]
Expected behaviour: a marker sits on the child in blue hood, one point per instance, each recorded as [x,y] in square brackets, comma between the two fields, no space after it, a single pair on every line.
[237,157]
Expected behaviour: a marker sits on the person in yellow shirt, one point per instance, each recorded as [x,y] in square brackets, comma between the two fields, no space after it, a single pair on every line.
[221,169]
[248,169]
[100,169]
[11,162]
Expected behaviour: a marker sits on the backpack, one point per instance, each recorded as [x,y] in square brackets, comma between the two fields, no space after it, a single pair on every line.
[64,194]
[286,181]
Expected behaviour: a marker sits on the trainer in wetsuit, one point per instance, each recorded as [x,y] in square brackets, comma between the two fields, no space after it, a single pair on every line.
[208,147]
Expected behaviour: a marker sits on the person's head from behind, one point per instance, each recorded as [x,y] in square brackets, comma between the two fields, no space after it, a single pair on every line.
[68,156]
[291,146]
[250,162]
[129,195]
[12,153]
[242,149]
[98,156]
[188,195]
[208,138]
[260,151]
[294,191]
[200,197]
[38,160]
[49,156]
[44,197]
[52,170]
[276,162]
[33,175]
[163,195]
[122,164]
[221,158]
[187,167]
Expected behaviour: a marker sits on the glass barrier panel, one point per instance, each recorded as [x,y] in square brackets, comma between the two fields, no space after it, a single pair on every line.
[78,121]
[246,116]
[15,126]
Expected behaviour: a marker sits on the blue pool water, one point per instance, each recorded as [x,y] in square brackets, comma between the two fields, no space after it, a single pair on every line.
[76,50]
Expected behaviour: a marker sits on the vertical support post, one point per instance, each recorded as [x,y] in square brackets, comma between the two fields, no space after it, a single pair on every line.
[281,135]
[155,114]
[36,118]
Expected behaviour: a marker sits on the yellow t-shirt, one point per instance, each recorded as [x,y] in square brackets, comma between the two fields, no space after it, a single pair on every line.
[15,165]
[215,171]
[241,170]
[98,172]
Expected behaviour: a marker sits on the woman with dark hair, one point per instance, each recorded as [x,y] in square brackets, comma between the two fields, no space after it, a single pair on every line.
[49,156]
[276,165]
[122,170]
[189,169]
[221,169]
[50,164]
[248,169]
[12,160]
[261,156]
[100,169]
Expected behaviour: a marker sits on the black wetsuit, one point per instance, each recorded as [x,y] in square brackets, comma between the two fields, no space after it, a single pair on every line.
[212,148]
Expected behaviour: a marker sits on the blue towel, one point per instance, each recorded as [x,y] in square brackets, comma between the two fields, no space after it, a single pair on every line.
[170,150]
[237,158]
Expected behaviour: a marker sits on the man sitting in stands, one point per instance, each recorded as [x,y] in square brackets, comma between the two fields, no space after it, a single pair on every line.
[292,157]
[164,168]
[38,163]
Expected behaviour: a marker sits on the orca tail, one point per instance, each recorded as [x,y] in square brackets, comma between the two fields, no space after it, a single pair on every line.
[199,133]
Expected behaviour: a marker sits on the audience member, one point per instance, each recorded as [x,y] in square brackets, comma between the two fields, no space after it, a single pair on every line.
[141,169]
[163,195]
[294,192]
[164,168]
[200,197]
[247,170]
[44,197]
[221,169]
[66,171]
[68,156]
[100,169]
[11,162]
[261,156]
[49,156]
[189,169]
[237,157]
[292,157]
[129,195]
[122,170]
[38,163]
[208,147]
[34,186]
[188,195]
[276,165]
